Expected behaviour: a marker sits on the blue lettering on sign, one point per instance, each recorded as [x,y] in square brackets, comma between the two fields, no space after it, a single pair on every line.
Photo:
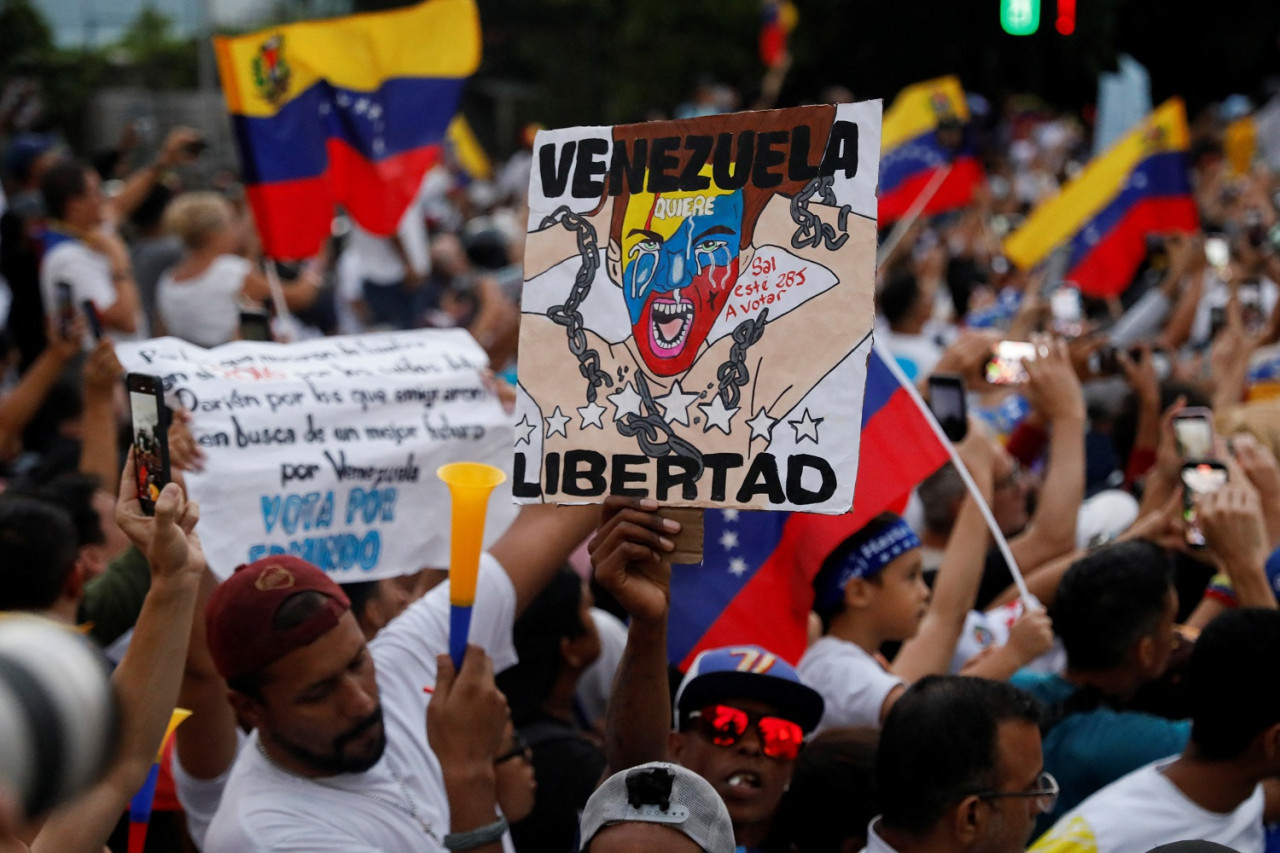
[337,553]
[310,511]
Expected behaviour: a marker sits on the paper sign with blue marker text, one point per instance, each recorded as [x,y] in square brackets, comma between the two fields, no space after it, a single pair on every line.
[328,449]
[697,310]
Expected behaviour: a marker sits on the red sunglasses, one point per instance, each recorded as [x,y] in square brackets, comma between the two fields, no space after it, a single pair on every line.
[724,725]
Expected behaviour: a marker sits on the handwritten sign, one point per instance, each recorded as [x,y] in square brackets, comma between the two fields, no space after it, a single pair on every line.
[698,308]
[328,449]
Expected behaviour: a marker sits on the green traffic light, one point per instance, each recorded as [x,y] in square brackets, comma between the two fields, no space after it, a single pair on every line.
[1020,17]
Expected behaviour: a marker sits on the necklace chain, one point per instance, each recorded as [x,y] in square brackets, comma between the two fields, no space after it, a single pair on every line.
[411,810]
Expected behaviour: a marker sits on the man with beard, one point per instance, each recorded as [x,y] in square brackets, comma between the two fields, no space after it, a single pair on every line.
[338,760]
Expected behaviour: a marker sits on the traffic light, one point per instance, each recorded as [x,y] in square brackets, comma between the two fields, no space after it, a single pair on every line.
[1020,17]
[1066,23]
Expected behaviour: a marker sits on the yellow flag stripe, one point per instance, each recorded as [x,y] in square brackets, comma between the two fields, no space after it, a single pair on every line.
[438,38]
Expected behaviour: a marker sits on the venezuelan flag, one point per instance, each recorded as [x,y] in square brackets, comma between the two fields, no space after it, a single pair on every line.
[754,584]
[912,153]
[1138,187]
[467,151]
[778,19]
[349,111]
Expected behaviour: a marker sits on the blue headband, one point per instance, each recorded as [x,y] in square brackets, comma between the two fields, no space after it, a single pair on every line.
[868,560]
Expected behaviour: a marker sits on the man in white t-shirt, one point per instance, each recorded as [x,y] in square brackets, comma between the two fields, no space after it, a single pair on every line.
[80,258]
[393,271]
[339,760]
[1213,790]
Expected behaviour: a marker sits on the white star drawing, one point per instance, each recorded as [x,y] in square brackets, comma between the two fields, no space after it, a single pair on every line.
[761,425]
[555,423]
[717,414]
[730,515]
[626,400]
[675,405]
[806,427]
[728,540]
[591,415]
[527,429]
[737,567]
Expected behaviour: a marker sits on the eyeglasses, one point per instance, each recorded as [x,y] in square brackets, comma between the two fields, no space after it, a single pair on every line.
[724,725]
[519,749]
[1045,793]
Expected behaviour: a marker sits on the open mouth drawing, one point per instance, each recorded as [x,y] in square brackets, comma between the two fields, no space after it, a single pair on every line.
[669,325]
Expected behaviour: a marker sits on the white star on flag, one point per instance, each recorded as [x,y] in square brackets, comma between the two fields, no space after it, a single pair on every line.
[806,427]
[556,423]
[737,567]
[728,540]
[729,514]
[717,414]
[591,414]
[527,428]
[626,400]
[675,405]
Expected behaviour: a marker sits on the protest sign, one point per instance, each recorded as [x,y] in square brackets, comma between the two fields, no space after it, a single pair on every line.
[328,449]
[698,310]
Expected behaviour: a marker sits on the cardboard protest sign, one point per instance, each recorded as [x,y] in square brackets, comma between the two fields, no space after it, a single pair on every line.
[698,307]
[328,449]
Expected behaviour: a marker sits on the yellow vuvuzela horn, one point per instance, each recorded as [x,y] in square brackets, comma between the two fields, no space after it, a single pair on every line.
[470,484]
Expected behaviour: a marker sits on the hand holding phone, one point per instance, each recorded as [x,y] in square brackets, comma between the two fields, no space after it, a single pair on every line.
[150,437]
[1005,365]
[1199,478]
[1193,433]
[66,310]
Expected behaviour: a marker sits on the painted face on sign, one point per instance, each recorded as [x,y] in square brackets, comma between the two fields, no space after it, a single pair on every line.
[680,261]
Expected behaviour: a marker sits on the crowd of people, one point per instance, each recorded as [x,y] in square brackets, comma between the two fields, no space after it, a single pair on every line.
[1119,703]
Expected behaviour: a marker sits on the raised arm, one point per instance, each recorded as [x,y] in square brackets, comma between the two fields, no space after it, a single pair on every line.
[98,455]
[539,542]
[628,554]
[930,651]
[1054,392]
[147,679]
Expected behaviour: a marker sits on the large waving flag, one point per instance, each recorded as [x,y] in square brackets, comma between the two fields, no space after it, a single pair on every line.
[1140,186]
[349,111]
[913,152]
[754,584]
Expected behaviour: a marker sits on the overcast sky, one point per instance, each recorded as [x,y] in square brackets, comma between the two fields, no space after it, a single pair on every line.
[76,22]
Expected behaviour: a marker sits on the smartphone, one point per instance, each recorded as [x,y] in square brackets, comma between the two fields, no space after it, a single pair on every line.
[1217,251]
[150,437]
[91,314]
[1068,313]
[1217,319]
[1005,365]
[1250,295]
[66,309]
[947,402]
[1193,433]
[255,326]
[1199,478]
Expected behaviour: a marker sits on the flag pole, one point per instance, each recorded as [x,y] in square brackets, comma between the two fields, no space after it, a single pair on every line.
[913,213]
[283,318]
[1002,544]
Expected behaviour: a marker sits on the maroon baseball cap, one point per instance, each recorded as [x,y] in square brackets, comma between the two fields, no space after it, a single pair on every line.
[240,615]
